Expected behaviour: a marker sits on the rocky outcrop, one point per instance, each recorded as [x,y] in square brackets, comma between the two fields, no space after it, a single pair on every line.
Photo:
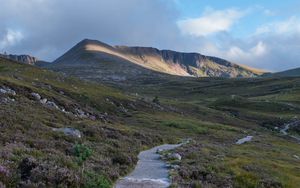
[7,90]
[6,95]
[186,64]
[77,112]
[27,59]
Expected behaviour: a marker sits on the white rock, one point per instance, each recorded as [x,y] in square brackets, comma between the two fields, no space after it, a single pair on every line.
[2,91]
[6,90]
[244,140]
[175,156]
[36,96]
[81,113]
[52,104]
[7,100]
[43,101]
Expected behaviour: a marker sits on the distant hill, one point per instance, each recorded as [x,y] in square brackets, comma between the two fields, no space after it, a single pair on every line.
[91,59]
[287,73]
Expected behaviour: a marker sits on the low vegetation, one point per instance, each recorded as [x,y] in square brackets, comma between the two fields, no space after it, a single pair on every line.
[119,125]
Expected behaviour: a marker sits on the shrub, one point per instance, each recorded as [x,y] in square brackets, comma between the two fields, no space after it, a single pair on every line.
[93,180]
[82,153]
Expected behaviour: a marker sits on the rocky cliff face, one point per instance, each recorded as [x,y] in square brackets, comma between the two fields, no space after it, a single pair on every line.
[21,58]
[185,64]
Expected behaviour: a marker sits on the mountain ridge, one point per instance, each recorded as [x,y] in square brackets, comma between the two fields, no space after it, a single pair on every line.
[287,73]
[160,61]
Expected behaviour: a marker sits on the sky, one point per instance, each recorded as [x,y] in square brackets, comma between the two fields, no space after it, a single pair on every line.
[264,34]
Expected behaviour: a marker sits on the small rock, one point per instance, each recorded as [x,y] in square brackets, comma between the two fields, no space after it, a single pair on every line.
[244,140]
[175,156]
[2,91]
[43,101]
[69,131]
[52,105]
[92,117]
[36,96]
[80,113]
[159,150]
[7,100]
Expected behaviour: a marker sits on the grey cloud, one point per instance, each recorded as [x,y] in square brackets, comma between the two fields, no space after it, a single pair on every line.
[50,27]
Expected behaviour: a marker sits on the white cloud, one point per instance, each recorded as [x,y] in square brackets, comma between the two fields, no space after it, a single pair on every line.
[240,55]
[10,38]
[289,26]
[212,21]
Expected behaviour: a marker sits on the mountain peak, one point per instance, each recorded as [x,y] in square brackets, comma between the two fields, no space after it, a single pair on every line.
[86,42]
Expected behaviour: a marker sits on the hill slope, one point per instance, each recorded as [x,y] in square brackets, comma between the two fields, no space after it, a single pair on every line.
[94,60]
[287,73]
[114,127]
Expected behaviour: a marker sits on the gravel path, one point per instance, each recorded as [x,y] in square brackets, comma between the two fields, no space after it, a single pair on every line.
[150,172]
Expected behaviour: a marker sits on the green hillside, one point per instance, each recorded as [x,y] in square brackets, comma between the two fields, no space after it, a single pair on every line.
[117,121]
[287,73]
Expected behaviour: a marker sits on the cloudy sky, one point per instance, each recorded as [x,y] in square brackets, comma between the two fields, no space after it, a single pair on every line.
[259,33]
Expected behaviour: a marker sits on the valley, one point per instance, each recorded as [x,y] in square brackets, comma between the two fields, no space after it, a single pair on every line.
[118,118]
[149,94]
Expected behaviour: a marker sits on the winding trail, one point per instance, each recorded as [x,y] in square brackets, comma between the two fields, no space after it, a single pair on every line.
[150,172]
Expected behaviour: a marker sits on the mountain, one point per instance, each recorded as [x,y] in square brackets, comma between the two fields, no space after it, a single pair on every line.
[27,59]
[287,73]
[91,59]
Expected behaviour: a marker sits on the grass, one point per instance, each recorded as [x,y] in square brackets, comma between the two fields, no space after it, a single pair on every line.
[213,112]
